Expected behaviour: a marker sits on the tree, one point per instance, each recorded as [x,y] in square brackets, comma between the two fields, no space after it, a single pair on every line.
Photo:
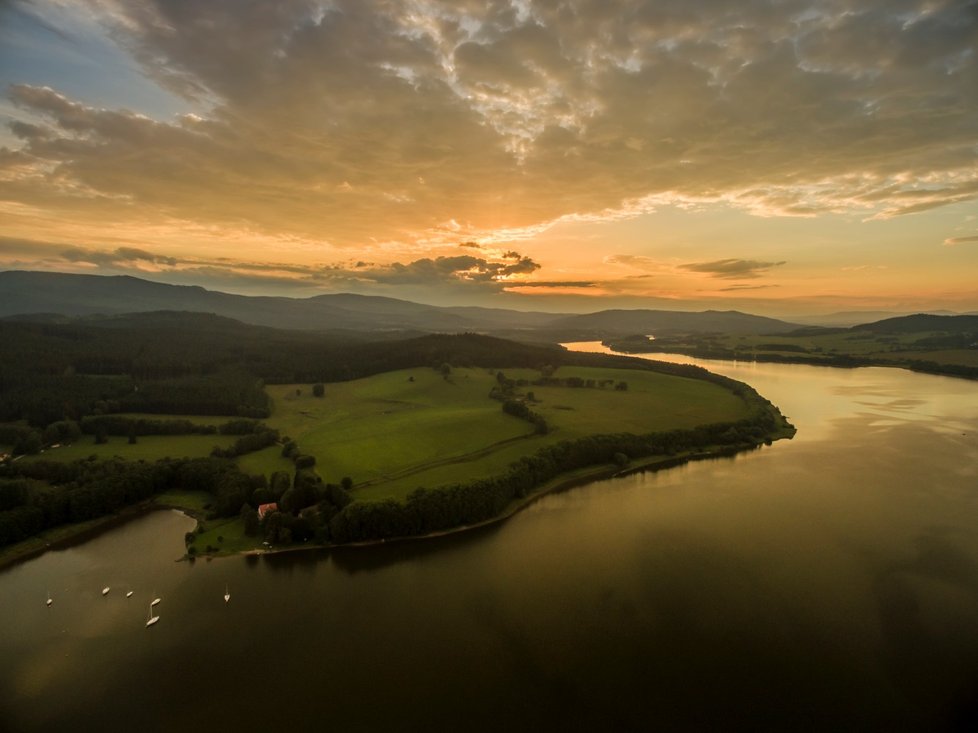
[29,442]
[279,484]
[250,518]
[346,483]
[318,389]
[445,369]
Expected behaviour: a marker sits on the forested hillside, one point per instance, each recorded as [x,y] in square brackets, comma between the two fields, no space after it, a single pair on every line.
[203,364]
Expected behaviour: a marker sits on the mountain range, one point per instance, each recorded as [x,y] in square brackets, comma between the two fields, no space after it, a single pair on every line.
[70,295]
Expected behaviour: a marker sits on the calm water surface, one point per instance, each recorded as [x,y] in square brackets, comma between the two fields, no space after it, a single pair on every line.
[824,583]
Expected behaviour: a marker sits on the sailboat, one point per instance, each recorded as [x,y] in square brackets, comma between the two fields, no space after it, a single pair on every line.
[152,619]
[227,593]
[50,600]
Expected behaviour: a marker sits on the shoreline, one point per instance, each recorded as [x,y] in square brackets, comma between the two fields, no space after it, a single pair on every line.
[842,361]
[71,535]
[65,536]
[603,473]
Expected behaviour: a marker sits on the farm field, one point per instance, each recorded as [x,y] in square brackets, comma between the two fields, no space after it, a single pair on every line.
[394,432]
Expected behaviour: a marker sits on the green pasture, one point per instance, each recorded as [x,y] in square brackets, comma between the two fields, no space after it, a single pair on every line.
[225,536]
[391,434]
[147,447]
[265,462]
[652,402]
[376,428]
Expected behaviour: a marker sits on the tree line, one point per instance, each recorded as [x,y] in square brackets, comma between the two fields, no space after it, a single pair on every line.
[39,495]
[429,510]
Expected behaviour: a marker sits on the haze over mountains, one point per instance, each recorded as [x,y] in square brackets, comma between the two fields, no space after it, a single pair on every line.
[63,295]
[71,295]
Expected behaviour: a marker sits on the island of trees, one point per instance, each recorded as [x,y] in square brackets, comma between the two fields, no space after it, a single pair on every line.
[275,438]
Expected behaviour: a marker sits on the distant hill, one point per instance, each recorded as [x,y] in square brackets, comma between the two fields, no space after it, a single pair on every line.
[85,295]
[846,319]
[623,322]
[922,322]
[60,294]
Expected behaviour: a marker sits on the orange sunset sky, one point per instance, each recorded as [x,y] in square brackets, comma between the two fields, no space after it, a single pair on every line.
[776,157]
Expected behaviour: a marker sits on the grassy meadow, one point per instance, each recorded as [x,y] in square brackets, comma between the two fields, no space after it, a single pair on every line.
[393,432]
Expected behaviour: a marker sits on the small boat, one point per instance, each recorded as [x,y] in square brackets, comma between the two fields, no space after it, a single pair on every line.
[129,594]
[50,600]
[152,619]
[105,591]
[155,601]
[227,593]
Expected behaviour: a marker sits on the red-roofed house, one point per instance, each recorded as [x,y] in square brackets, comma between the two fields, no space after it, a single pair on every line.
[265,509]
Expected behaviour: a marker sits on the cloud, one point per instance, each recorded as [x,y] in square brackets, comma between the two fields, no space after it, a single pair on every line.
[365,123]
[735,288]
[555,284]
[953,241]
[639,262]
[463,272]
[121,256]
[732,269]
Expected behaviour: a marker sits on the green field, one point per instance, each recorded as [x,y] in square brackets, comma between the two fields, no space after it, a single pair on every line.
[148,447]
[396,431]
[265,462]
[223,536]
[377,428]
[195,503]
[863,347]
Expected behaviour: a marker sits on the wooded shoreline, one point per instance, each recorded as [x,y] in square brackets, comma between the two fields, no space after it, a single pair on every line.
[72,535]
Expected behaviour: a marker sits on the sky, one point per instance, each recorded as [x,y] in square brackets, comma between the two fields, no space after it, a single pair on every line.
[771,156]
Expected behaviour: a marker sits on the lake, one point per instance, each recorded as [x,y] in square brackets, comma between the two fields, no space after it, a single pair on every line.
[823,583]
